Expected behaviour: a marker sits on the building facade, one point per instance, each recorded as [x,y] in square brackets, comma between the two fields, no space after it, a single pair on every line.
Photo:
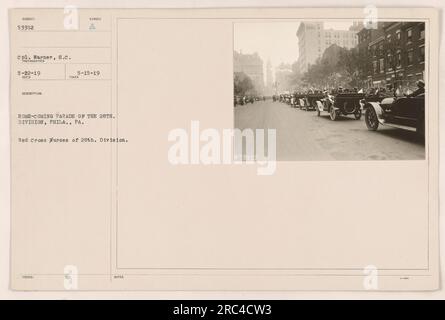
[282,74]
[313,40]
[269,75]
[252,66]
[396,54]
[370,44]
[269,88]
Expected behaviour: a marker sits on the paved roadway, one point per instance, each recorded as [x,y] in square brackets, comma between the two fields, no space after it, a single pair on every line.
[301,135]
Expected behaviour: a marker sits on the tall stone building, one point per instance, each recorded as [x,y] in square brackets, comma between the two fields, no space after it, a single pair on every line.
[282,74]
[269,79]
[252,66]
[313,40]
[269,76]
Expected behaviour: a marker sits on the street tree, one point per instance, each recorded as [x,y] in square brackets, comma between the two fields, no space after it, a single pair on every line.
[242,84]
[349,65]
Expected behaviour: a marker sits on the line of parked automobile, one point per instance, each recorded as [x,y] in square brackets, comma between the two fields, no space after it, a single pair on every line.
[380,107]
[242,100]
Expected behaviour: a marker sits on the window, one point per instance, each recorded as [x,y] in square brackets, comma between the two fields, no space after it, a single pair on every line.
[422,54]
[398,35]
[382,65]
[410,57]
[399,59]
[389,61]
[422,34]
[374,66]
[409,35]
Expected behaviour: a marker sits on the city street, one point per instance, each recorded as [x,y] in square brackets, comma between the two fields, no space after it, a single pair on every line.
[301,135]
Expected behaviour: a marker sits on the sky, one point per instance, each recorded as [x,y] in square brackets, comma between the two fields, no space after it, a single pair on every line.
[276,41]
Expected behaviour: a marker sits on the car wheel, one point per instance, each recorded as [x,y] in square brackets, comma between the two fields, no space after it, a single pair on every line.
[358,114]
[333,113]
[371,119]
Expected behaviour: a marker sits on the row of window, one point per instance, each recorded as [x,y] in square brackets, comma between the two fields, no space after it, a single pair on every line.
[409,35]
[346,36]
[398,35]
[379,65]
[379,49]
[343,43]
[343,35]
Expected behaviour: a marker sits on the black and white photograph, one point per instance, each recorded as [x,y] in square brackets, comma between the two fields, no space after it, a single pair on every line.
[333,89]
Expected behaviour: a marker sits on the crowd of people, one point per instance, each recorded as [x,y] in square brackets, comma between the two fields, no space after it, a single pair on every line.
[384,91]
[380,92]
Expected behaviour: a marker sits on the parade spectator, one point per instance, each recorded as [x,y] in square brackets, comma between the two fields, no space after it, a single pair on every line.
[420,89]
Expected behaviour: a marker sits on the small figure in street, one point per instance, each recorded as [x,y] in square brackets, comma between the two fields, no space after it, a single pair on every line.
[420,89]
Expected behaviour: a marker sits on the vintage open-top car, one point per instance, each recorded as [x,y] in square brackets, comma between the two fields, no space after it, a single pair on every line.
[310,101]
[376,95]
[341,104]
[286,98]
[250,99]
[297,102]
[401,112]
[238,100]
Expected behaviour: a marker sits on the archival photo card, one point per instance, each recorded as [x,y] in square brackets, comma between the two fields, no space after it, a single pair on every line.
[224,149]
